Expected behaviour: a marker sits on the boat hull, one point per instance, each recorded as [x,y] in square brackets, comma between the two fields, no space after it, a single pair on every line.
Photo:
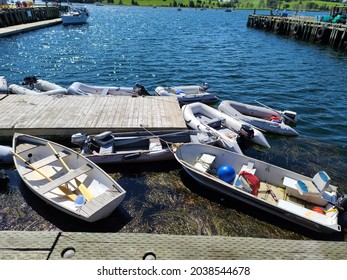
[78,88]
[187,154]
[199,116]
[188,94]
[266,125]
[156,146]
[42,169]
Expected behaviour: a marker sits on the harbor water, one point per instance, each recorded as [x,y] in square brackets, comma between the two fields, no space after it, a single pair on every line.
[121,46]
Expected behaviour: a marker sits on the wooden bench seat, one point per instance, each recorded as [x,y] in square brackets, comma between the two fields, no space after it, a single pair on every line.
[45,161]
[64,179]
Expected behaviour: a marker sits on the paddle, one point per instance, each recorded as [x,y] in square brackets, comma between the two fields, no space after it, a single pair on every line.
[83,189]
[276,111]
[64,189]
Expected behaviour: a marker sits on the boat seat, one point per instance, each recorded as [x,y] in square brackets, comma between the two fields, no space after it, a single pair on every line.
[317,191]
[104,91]
[45,161]
[154,144]
[215,122]
[64,179]
[103,138]
[204,162]
[106,149]
[319,183]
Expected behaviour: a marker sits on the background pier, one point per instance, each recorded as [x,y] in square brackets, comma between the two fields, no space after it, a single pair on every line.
[302,28]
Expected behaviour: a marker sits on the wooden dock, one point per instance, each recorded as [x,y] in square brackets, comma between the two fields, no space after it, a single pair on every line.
[302,28]
[17,29]
[23,19]
[64,115]
[52,245]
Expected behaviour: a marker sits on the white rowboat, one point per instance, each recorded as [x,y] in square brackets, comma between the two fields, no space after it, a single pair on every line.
[65,179]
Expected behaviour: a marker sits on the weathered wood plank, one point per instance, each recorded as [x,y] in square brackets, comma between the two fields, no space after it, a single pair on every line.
[134,246]
[129,246]
[26,245]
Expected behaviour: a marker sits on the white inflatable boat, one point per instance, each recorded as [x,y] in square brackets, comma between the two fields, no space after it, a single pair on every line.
[203,117]
[188,94]
[34,86]
[78,88]
[272,123]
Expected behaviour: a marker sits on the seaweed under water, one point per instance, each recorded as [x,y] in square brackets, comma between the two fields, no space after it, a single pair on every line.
[163,199]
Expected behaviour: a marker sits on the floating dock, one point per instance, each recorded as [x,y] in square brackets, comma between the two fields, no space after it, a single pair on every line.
[302,28]
[54,245]
[64,115]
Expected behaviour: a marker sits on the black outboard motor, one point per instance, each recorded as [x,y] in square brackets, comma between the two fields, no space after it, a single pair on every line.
[204,86]
[140,89]
[29,81]
[246,132]
[342,202]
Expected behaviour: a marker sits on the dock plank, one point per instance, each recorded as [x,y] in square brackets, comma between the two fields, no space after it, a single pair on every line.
[133,246]
[66,114]
[26,245]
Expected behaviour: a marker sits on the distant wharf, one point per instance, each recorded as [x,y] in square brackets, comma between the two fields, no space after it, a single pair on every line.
[18,20]
[303,29]
[64,115]
[56,245]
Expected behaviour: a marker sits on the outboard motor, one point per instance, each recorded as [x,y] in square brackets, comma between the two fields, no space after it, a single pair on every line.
[204,86]
[289,117]
[342,202]
[246,132]
[140,89]
[82,141]
[30,81]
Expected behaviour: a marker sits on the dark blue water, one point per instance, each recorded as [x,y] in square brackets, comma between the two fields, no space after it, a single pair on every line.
[124,45]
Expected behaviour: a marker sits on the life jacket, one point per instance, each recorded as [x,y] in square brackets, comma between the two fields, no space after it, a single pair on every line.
[252,181]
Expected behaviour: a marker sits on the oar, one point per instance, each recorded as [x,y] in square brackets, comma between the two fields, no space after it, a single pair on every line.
[276,111]
[64,189]
[80,185]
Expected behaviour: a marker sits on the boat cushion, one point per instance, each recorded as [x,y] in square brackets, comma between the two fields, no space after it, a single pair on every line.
[320,182]
[204,162]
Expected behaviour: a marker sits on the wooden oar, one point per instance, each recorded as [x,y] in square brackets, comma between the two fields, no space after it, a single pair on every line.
[83,189]
[64,189]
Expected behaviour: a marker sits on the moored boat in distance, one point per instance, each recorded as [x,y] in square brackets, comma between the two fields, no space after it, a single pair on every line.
[138,146]
[65,179]
[309,202]
[274,123]
[75,15]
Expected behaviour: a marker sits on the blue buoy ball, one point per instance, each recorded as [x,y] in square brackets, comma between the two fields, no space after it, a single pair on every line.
[226,173]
